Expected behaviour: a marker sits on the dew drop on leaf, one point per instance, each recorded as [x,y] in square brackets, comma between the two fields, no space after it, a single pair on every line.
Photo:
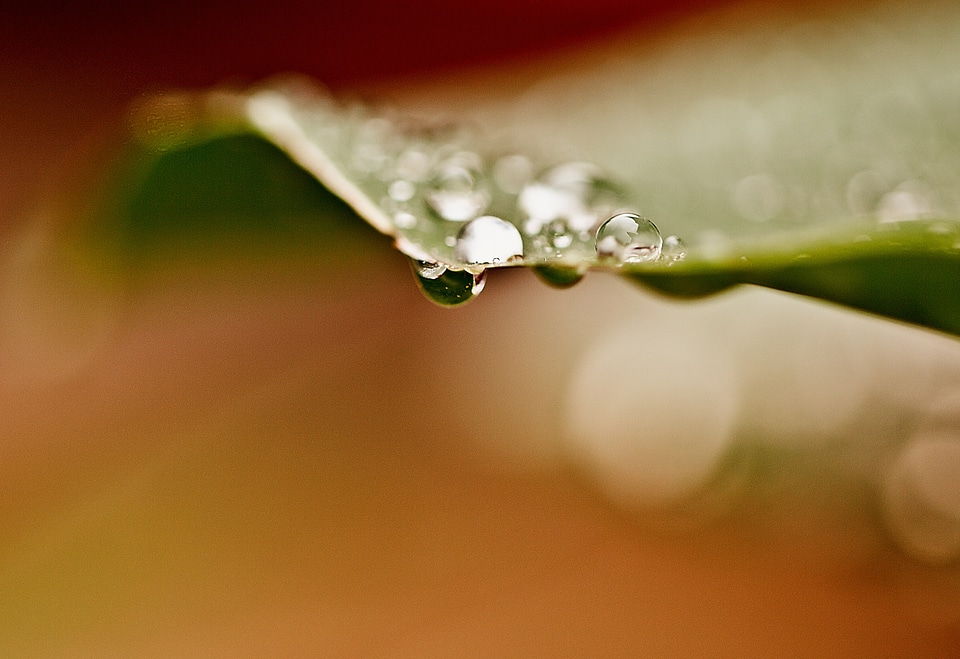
[401,190]
[456,191]
[673,249]
[628,238]
[488,240]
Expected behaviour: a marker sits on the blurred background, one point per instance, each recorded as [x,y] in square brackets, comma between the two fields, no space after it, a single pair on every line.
[232,425]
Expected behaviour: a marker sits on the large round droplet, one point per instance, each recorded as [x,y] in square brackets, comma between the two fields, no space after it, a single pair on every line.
[488,240]
[456,191]
[628,238]
[448,288]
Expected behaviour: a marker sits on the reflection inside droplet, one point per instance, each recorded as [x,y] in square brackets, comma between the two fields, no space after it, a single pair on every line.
[401,190]
[628,238]
[488,240]
[445,287]
[456,191]
[673,249]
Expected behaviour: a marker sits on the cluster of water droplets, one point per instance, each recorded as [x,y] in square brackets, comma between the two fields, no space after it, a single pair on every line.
[455,209]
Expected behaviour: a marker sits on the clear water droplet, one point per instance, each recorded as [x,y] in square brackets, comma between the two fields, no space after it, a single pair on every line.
[628,238]
[449,288]
[673,249]
[553,238]
[488,240]
[576,192]
[413,165]
[401,190]
[404,220]
[456,190]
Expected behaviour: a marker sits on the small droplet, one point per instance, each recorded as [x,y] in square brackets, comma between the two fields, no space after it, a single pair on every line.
[558,276]
[401,190]
[628,238]
[429,269]
[413,165]
[449,288]
[488,240]
[404,220]
[673,249]
[456,191]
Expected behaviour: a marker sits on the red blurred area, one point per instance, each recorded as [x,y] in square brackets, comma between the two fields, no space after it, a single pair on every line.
[181,43]
[68,71]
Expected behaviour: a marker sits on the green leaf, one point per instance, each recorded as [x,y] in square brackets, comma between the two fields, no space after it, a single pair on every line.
[909,270]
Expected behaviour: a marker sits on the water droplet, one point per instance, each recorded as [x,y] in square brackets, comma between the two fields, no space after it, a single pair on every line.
[558,276]
[628,238]
[673,249]
[448,288]
[574,192]
[488,240]
[552,239]
[401,190]
[404,220]
[456,191]
[909,201]
[413,165]
[598,195]
[428,269]
[542,203]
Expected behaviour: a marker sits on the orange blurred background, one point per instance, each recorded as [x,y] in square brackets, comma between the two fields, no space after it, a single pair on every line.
[267,459]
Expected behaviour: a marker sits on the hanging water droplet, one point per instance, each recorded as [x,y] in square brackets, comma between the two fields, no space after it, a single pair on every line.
[673,249]
[628,238]
[558,276]
[488,240]
[448,288]
[553,238]
[456,190]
